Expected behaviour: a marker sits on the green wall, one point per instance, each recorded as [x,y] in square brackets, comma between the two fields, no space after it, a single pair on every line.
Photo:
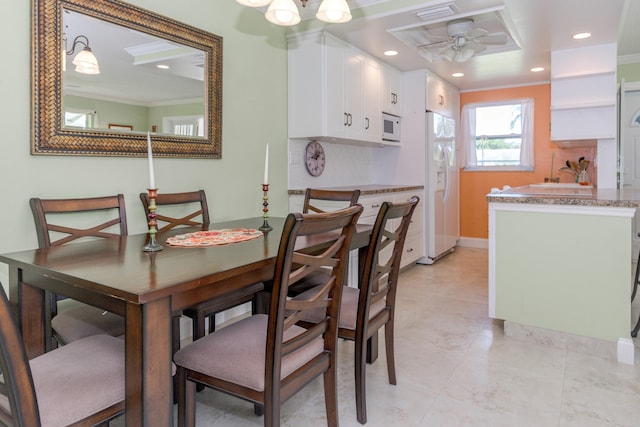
[254,114]
[629,72]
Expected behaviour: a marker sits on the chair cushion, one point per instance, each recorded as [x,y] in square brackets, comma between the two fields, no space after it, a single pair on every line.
[76,320]
[79,379]
[236,353]
[348,308]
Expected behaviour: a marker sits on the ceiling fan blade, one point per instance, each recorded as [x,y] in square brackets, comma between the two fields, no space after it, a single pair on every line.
[476,32]
[477,47]
[436,44]
[493,39]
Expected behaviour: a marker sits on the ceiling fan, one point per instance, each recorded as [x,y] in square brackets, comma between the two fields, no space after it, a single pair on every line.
[464,41]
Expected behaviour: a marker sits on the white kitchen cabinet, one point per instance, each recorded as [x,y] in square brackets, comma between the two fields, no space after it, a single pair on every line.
[583,95]
[442,97]
[391,91]
[334,91]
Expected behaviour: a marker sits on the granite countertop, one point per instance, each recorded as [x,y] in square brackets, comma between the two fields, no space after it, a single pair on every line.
[365,190]
[626,198]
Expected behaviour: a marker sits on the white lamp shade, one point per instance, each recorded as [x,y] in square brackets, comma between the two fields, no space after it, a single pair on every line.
[465,54]
[334,11]
[283,12]
[86,62]
[254,3]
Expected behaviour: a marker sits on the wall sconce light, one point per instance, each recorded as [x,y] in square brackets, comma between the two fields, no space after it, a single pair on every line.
[285,12]
[85,61]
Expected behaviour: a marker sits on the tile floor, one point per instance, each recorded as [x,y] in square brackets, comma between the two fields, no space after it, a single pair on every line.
[455,367]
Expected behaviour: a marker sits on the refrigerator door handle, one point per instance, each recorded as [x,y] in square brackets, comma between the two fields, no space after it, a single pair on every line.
[447,171]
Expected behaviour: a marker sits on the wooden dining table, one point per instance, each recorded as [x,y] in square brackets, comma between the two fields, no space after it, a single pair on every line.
[146,288]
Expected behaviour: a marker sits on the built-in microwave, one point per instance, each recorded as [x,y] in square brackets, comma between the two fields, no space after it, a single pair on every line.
[390,127]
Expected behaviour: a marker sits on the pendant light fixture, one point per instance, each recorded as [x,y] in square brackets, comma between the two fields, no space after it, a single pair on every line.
[85,61]
[285,12]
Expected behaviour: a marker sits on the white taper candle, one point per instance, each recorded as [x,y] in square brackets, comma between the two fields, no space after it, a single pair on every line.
[152,179]
[266,167]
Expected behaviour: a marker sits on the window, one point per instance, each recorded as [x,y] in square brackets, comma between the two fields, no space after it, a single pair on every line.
[498,135]
[81,119]
[184,125]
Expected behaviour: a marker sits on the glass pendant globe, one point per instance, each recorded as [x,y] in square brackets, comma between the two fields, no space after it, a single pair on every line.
[283,12]
[334,11]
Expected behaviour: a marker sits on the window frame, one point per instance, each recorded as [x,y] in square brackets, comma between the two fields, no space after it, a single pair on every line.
[469,137]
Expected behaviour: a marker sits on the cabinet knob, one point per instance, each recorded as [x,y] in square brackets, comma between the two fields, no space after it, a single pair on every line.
[409,250]
[441,99]
[346,119]
[366,119]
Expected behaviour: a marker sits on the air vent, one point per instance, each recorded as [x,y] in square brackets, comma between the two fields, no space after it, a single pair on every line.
[437,12]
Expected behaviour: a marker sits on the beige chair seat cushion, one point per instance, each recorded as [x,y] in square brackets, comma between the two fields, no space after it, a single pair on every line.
[236,353]
[79,379]
[348,308]
[76,320]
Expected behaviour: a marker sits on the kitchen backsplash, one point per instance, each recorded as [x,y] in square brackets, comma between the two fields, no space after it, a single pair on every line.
[345,165]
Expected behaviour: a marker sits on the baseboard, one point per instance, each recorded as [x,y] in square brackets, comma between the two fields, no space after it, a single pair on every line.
[473,242]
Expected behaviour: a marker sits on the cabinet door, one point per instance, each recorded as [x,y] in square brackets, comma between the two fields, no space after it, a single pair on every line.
[353,93]
[391,91]
[337,85]
[371,101]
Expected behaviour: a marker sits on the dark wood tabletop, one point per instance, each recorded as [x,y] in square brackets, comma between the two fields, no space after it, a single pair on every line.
[146,288]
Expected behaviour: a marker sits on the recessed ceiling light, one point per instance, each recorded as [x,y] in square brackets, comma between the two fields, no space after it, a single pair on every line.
[391,52]
[537,69]
[457,74]
[579,36]
[163,67]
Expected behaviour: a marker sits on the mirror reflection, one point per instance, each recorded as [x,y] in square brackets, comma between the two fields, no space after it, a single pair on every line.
[130,81]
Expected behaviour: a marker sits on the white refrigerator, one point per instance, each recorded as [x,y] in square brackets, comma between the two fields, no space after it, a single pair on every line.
[442,205]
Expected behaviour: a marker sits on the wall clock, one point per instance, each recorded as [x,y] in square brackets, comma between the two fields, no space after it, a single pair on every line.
[314,158]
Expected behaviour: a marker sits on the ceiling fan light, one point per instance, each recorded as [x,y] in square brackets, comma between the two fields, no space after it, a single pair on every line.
[449,54]
[334,11]
[254,3]
[283,12]
[86,62]
[465,54]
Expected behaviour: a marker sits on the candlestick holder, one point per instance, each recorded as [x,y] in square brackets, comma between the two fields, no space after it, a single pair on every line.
[265,209]
[153,245]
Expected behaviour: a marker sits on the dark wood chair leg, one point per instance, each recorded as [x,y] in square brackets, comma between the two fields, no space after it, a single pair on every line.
[634,332]
[258,409]
[198,332]
[212,323]
[331,395]
[391,359]
[360,365]
[186,400]
[635,281]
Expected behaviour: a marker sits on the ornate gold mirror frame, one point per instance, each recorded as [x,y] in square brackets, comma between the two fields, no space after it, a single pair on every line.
[49,136]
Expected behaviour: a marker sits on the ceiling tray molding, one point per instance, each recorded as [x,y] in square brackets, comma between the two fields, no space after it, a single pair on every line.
[446,9]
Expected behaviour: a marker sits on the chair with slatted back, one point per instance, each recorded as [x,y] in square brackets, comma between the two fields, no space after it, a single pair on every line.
[68,320]
[191,209]
[315,201]
[365,310]
[52,389]
[267,358]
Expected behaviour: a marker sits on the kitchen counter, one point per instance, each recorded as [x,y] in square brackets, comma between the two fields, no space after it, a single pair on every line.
[560,265]
[559,194]
[365,190]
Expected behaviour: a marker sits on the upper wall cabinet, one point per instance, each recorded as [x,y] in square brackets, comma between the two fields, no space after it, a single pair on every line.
[583,95]
[391,90]
[442,97]
[334,91]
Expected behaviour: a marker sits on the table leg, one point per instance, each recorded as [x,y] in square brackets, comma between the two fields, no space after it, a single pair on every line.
[149,395]
[26,300]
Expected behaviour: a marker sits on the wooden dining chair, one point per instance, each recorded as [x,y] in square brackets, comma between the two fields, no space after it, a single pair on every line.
[81,383]
[365,310]
[313,203]
[267,358]
[57,223]
[191,209]
[314,197]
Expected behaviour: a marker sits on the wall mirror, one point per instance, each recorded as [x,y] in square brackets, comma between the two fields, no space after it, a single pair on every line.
[141,73]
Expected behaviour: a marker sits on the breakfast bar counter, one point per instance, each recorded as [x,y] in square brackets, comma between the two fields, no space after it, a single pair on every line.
[560,265]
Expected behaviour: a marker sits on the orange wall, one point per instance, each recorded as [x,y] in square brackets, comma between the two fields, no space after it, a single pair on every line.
[475,185]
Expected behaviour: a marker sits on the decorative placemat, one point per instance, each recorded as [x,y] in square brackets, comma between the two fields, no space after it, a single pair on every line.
[214,237]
